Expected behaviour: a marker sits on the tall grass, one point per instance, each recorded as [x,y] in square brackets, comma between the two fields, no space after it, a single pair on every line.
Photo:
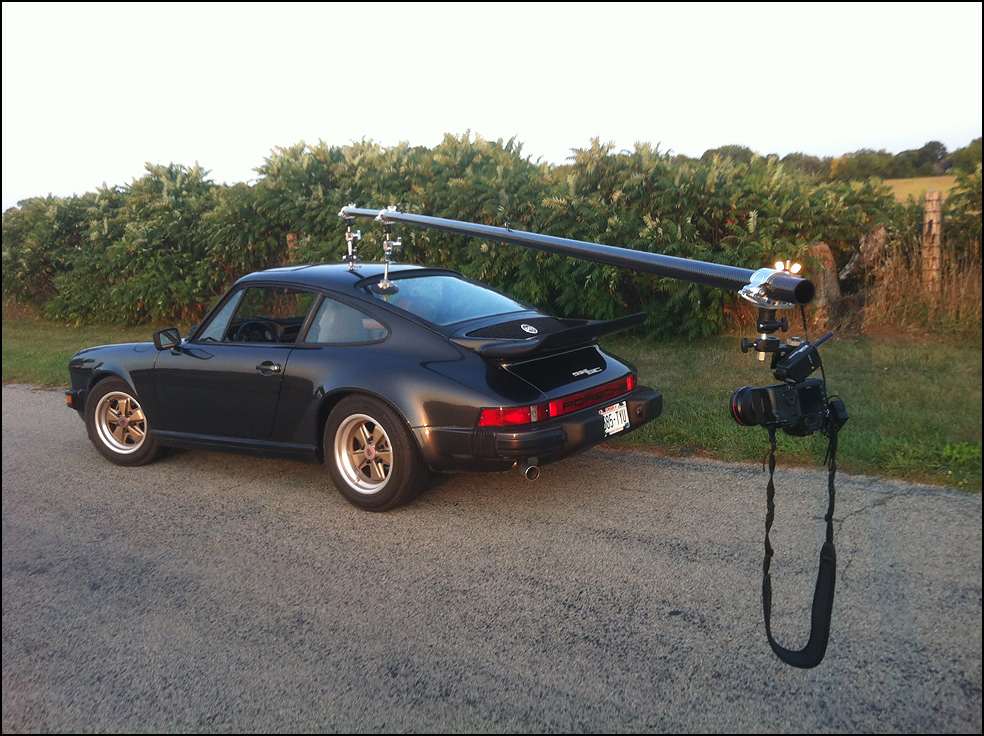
[898,298]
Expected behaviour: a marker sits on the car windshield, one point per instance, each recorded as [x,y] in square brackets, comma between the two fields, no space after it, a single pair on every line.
[444,299]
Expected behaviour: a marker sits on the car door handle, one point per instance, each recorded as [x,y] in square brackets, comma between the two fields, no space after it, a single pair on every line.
[268,367]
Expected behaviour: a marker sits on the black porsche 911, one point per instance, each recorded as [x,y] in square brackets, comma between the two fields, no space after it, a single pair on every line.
[431,372]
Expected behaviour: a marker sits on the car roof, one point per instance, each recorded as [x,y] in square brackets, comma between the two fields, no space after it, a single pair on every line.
[356,282]
[336,276]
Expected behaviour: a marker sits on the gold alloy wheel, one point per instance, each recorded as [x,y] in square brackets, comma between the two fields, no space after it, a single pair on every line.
[363,454]
[120,422]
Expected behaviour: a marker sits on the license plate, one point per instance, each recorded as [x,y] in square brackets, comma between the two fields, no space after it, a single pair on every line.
[616,418]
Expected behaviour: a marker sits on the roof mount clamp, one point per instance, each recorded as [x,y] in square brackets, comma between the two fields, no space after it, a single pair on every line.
[387,287]
[381,217]
[351,240]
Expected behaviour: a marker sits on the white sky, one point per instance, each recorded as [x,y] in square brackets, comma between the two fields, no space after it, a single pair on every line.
[92,91]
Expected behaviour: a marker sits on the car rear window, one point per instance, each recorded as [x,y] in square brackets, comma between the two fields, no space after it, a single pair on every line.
[444,299]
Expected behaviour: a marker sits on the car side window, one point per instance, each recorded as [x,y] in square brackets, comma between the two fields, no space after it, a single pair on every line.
[216,328]
[261,314]
[336,322]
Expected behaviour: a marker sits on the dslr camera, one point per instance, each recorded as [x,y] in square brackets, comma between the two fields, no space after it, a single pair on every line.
[799,405]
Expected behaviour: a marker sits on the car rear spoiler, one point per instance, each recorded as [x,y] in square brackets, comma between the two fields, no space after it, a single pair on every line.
[581,332]
[765,287]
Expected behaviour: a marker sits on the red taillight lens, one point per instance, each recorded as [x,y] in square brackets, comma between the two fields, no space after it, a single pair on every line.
[515,415]
[511,415]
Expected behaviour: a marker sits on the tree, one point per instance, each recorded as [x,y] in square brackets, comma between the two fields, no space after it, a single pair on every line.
[931,153]
[862,164]
[739,154]
[807,164]
[966,159]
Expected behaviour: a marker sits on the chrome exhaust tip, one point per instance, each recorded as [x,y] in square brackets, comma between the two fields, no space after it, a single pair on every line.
[529,470]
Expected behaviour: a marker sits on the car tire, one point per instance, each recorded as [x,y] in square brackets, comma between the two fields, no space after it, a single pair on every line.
[117,425]
[371,455]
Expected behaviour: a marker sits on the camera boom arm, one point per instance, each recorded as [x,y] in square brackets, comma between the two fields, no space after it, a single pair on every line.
[780,288]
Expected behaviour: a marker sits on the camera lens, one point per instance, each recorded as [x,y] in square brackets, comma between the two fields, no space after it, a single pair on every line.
[743,407]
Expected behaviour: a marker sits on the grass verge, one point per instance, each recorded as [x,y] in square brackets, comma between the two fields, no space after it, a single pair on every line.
[37,351]
[915,408]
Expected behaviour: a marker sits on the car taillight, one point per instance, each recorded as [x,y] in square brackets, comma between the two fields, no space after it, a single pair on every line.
[511,415]
[517,415]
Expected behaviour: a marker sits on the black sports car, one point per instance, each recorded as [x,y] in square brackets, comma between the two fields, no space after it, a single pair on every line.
[383,372]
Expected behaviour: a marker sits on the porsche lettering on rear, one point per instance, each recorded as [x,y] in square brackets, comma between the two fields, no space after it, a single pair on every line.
[590,398]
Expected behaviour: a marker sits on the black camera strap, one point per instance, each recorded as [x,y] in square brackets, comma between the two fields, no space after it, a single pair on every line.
[823,595]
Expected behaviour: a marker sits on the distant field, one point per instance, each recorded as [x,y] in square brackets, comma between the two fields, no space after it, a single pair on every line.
[917,188]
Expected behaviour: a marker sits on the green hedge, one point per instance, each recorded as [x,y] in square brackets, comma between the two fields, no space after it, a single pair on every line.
[164,247]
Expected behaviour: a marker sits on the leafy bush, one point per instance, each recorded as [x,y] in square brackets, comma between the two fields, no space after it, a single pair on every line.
[40,239]
[143,255]
[963,217]
[164,247]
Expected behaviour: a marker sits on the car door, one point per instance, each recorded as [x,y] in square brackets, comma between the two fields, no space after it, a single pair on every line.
[226,383]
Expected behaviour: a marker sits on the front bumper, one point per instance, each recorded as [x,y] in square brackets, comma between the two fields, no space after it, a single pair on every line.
[485,449]
[75,399]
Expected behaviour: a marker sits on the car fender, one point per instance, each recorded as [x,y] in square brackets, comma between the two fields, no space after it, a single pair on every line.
[131,362]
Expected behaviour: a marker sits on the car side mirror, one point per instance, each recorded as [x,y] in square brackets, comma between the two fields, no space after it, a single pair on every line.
[167,339]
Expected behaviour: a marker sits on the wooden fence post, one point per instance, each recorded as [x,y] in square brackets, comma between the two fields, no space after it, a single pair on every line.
[826,311]
[932,230]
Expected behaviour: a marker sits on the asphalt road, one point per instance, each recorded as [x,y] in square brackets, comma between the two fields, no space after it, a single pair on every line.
[619,593]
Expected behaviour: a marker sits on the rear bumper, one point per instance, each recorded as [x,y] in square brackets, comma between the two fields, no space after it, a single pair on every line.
[485,449]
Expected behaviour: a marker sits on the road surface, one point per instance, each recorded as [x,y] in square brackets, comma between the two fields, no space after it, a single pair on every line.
[619,593]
